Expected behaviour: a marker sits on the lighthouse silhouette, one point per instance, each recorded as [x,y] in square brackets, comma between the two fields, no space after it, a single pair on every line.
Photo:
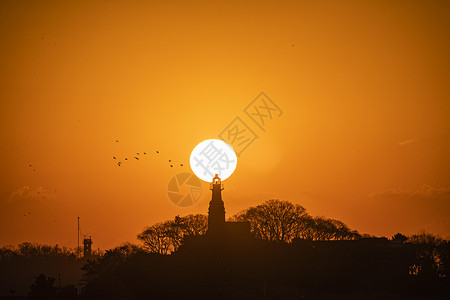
[217,226]
[221,235]
[216,211]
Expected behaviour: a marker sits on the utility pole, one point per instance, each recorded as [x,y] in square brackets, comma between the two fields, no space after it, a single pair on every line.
[78,236]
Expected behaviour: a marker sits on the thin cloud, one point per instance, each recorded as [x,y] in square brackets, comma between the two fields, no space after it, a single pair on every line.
[28,193]
[411,211]
[407,142]
[426,191]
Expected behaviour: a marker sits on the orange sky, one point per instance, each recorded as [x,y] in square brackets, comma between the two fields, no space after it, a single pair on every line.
[363,85]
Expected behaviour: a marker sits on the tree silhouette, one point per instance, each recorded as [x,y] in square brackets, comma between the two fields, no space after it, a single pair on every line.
[399,237]
[166,237]
[68,292]
[20,265]
[273,220]
[111,259]
[276,220]
[159,238]
[321,228]
[431,254]
[32,250]
[42,288]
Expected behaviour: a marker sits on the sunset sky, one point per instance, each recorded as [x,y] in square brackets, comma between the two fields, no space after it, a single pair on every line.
[364,87]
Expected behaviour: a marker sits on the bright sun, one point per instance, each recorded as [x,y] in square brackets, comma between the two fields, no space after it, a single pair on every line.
[212,157]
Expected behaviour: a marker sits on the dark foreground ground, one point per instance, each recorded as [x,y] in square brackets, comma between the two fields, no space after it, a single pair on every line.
[247,269]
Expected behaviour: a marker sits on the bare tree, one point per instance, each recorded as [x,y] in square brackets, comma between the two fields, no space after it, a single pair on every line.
[158,238]
[431,254]
[166,237]
[321,228]
[341,231]
[274,220]
[192,224]
[399,237]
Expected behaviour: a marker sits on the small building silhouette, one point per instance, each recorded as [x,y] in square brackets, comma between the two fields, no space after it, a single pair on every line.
[87,247]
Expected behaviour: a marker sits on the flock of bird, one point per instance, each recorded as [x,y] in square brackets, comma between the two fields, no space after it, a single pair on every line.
[137,157]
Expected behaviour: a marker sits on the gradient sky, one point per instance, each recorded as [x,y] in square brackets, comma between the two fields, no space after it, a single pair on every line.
[363,85]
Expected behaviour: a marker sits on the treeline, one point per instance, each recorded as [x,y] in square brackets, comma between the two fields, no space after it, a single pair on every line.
[274,220]
[29,250]
[34,250]
[291,251]
[415,267]
[131,272]
[22,265]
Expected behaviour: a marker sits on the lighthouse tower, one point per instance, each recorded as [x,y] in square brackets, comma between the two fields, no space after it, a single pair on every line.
[216,212]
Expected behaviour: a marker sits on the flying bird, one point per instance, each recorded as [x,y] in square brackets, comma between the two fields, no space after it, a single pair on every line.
[29,165]
[170,160]
[117,141]
[157,151]
[114,157]
[181,165]
[136,158]
[126,158]
[171,166]
[137,153]
[145,153]
[119,163]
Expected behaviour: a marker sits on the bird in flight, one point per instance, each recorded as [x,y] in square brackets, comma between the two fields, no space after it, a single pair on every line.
[119,163]
[170,160]
[157,151]
[136,158]
[126,158]
[137,153]
[171,166]
[145,153]
[117,141]
[181,165]
[114,157]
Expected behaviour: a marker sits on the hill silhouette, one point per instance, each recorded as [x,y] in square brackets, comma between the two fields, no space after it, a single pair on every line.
[287,254]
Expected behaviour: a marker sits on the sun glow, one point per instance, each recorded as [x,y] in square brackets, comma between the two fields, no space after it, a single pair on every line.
[212,157]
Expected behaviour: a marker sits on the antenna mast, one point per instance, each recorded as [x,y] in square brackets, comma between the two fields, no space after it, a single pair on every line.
[78,237]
